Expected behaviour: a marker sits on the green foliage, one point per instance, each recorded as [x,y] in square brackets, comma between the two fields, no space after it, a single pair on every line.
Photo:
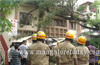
[90,14]
[5,24]
[92,6]
[5,9]
[95,41]
[81,8]
[53,8]
[95,4]
[75,43]
[62,9]
[52,59]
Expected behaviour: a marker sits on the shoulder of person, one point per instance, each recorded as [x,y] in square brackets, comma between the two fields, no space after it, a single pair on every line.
[46,45]
[12,49]
[30,46]
[61,44]
[20,46]
[77,47]
[72,45]
[55,47]
[86,48]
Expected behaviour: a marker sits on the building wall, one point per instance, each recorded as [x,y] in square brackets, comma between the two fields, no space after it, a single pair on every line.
[52,31]
[6,37]
[9,39]
[59,32]
[26,9]
[56,31]
[93,10]
[74,33]
[12,16]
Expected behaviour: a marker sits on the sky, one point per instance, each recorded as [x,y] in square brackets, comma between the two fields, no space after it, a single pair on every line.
[82,1]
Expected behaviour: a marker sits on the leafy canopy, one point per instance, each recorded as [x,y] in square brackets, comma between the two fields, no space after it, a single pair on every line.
[5,9]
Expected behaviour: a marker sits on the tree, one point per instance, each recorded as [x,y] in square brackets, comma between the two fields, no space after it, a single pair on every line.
[95,5]
[81,8]
[95,41]
[5,9]
[61,8]
[64,9]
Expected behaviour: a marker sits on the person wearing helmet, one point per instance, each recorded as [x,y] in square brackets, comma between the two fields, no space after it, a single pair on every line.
[67,58]
[56,56]
[34,40]
[37,58]
[82,51]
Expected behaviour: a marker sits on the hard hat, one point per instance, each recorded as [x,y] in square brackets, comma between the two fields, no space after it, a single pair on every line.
[69,35]
[41,35]
[81,40]
[58,42]
[34,36]
[98,61]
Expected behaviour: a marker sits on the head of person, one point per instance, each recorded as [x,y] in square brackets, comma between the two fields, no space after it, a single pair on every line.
[96,46]
[13,43]
[58,42]
[69,37]
[16,46]
[34,38]
[41,36]
[87,43]
[24,42]
[81,40]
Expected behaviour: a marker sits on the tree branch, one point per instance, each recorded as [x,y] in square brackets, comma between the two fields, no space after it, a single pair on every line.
[87,27]
[32,10]
[78,19]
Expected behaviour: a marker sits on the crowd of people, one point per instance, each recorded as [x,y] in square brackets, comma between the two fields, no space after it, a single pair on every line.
[65,52]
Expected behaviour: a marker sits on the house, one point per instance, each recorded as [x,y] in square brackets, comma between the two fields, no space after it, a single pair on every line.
[58,29]
[87,7]
[88,10]
[94,11]
[95,14]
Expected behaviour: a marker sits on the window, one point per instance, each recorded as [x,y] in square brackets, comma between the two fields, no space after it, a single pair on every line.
[72,25]
[57,22]
[25,18]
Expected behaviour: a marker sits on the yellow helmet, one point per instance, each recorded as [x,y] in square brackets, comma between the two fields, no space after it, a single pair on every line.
[69,35]
[58,42]
[81,40]
[41,35]
[34,36]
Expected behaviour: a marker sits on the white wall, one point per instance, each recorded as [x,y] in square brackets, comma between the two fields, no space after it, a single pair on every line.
[12,16]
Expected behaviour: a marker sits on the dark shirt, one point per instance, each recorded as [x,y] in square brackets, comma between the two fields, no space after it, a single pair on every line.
[92,50]
[97,57]
[16,57]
